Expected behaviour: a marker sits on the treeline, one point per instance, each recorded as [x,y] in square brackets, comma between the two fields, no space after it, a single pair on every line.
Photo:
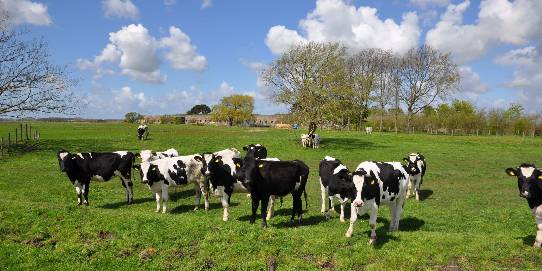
[332,86]
[460,118]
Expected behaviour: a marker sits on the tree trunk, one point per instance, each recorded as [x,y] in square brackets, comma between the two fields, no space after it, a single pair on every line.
[381,119]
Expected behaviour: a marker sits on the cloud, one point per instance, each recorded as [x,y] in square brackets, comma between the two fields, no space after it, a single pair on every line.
[182,54]
[120,9]
[471,86]
[428,3]
[357,28]
[169,2]
[137,54]
[206,3]
[498,22]
[25,11]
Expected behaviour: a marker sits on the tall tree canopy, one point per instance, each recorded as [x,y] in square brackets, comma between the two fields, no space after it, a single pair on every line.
[234,109]
[199,109]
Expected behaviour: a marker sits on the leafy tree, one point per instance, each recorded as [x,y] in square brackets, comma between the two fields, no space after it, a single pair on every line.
[132,117]
[234,109]
[29,82]
[199,109]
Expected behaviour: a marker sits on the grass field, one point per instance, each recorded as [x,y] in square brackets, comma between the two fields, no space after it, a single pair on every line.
[470,217]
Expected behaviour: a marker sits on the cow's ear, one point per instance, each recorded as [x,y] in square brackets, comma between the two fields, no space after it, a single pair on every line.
[198,158]
[359,172]
[421,156]
[136,167]
[245,148]
[218,158]
[405,159]
[511,172]
[137,154]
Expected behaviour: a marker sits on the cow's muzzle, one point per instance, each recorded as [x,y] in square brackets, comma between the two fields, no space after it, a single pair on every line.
[524,194]
[357,203]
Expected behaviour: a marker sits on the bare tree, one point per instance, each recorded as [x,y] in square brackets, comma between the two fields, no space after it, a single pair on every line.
[387,81]
[29,83]
[427,76]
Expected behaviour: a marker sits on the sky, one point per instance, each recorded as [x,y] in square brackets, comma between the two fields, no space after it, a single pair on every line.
[164,56]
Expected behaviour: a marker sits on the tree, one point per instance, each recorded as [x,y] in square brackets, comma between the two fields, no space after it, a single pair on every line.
[234,109]
[132,117]
[199,109]
[426,75]
[29,82]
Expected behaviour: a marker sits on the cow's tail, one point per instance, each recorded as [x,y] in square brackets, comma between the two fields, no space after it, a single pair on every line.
[306,201]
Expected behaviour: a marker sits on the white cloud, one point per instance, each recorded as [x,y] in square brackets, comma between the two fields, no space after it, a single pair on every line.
[499,21]
[257,67]
[471,86]
[357,28]
[169,2]
[25,11]
[120,8]
[206,3]
[182,54]
[427,3]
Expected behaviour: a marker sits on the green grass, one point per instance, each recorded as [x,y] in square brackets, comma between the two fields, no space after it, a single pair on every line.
[471,216]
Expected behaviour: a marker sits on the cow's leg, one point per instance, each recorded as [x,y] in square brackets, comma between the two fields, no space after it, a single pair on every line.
[271,209]
[537,211]
[79,190]
[372,223]
[85,192]
[197,189]
[343,203]
[299,208]
[417,187]
[128,185]
[165,197]
[265,201]
[410,187]
[255,203]
[205,191]
[156,189]
[225,200]
[323,190]
[396,211]
[353,219]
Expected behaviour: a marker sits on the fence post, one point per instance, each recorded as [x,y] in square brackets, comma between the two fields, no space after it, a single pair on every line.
[16,136]
[9,141]
[21,132]
[26,131]
[2,146]
[31,131]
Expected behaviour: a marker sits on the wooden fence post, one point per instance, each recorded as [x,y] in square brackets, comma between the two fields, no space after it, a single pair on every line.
[2,146]
[26,131]
[9,141]
[16,136]
[30,131]
[21,132]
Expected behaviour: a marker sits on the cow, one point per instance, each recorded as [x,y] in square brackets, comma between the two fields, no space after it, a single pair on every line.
[148,155]
[174,171]
[530,187]
[82,167]
[416,167]
[315,140]
[278,178]
[377,183]
[336,181]
[260,151]
[142,132]
[368,130]
[305,140]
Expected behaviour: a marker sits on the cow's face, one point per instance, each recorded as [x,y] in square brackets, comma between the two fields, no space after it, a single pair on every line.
[412,163]
[248,169]
[257,150]
[178,174]
[204,165]
[239,173]
[64,160]
[528,176]
[367,187]
[344,179]
[149,173]
[214,166]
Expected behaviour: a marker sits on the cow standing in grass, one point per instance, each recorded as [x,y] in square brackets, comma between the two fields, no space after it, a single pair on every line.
[377,183]
[416,167]
[160,174]
[82,167]
[142,132]
[335,181]
[530,187]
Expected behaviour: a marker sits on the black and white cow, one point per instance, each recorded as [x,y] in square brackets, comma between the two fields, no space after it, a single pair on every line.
[530,187]
[142,132]
[160,174]
[259,151]
[416,167]
[82,167]
[148,155]
[336,181]
[377,183]
[278,178]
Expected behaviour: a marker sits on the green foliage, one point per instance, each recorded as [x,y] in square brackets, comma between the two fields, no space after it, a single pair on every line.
[132,117]
[199,109]
[234,109]
[470,217]
[171,119]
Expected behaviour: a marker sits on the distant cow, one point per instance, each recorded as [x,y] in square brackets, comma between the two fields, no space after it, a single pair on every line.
[82,167]
[376,183]
[315,141]
[277,178]
[416,167]
[142,132]
[148,155]
[305,141]
[174,171]
[530,187]
[336,181]
[368,130]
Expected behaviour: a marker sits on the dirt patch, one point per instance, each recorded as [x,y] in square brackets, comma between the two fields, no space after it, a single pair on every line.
[272,264]
[36,241]
[207,264]
[177,253]
[104,235]
[147,254]
[326,264]
[451,266]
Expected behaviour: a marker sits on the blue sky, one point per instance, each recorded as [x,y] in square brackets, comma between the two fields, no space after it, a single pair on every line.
[164,56]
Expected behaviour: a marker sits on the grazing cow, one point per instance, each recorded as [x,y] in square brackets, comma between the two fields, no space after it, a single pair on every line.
[368,130]
[148,155]
[376,183]
[278,178]
[82,167]
[305,140]
[416,167]
[530,187]
[315,140]
[336,181]
[142,132]
[174,171]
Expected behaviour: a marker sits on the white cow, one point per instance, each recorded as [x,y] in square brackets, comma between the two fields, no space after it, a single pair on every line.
[305,140]
[416,167]
[368,130]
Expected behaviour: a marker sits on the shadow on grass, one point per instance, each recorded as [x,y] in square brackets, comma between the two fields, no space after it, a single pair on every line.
[528,240]
[181,194]
[118,204]
[425,194]
[190,207]
[342,143]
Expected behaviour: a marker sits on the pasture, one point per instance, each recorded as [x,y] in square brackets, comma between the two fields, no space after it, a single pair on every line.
[471,216]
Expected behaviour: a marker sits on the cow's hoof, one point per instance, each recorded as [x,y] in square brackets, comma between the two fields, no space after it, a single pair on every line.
[251,221]
[196,208]
[157,211]
[343,220]
[372,241]
[536,244]
[300,220]
[226,219]
[327,215]
[348,234]
[86,203]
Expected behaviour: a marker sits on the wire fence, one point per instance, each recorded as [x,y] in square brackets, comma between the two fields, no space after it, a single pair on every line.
[23,138]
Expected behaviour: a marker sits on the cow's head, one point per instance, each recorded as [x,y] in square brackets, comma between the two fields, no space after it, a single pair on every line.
[529,178]
[367,187]
[204,159]
[344,180]
[259,151]
[249,170]
[218,172]
[65,159]
[148,172]
[413,163]
[178,174]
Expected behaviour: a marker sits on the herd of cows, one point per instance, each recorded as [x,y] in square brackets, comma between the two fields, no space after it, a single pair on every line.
[226,172]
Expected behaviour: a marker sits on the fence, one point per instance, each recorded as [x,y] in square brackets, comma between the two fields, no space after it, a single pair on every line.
[21,139]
